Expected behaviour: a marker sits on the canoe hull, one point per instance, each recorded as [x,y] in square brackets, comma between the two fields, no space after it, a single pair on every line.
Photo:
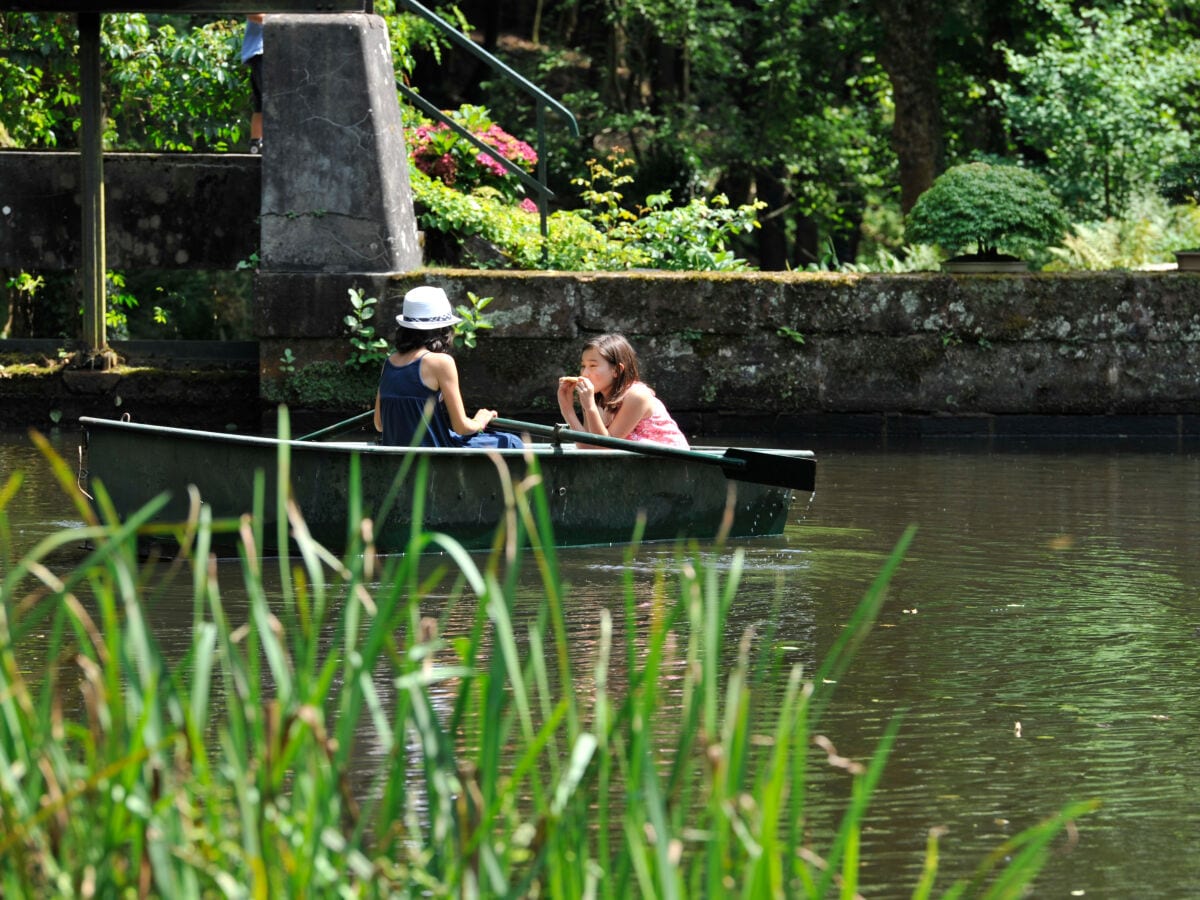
[594,496]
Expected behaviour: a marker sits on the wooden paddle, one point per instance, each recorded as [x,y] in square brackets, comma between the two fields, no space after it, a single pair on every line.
[340,426]
[798,470]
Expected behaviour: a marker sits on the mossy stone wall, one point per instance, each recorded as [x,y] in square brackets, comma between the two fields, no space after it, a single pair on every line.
[797,353]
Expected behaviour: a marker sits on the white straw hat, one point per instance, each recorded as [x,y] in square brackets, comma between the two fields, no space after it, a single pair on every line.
[426,308]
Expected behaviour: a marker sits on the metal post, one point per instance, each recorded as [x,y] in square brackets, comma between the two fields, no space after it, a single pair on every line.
[93,269]
[543,199]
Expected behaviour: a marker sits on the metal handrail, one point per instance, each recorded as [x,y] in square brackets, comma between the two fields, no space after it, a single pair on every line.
[544,101]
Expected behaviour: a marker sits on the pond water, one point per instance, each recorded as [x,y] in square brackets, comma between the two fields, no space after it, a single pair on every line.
[1041,641]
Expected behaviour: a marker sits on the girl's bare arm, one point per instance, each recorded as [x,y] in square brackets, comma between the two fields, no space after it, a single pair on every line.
[441,367]
[634,408]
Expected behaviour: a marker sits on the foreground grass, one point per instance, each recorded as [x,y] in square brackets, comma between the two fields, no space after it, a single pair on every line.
[237,770]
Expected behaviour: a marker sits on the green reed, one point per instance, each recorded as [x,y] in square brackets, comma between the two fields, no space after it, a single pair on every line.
[499,763]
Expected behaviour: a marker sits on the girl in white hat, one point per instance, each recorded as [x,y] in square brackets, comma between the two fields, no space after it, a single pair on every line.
[418,390]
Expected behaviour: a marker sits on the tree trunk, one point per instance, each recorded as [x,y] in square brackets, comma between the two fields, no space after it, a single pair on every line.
[772,237]
[808,242]
[664,85]
[10,306]
[907,52]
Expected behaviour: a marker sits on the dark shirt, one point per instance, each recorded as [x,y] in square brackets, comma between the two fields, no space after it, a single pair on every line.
[402,400]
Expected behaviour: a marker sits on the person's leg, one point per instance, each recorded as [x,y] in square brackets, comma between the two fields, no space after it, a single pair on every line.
[256,133]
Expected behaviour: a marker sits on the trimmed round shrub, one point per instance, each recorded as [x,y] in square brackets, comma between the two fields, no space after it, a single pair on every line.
[990,208]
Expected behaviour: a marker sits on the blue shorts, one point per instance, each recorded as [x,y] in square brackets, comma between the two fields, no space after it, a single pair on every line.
[498,440]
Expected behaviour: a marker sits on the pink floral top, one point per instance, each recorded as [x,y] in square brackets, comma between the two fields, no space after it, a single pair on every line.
[658,426]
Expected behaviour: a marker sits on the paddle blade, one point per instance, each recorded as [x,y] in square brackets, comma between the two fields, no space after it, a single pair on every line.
[778,469]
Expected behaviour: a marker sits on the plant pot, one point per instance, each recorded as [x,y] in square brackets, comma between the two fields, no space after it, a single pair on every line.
[977,263]
[1188,260]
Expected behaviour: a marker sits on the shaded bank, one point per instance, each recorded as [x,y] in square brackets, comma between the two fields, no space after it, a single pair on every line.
[194,383]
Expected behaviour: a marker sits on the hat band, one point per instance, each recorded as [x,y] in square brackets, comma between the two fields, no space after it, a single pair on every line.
[443,318]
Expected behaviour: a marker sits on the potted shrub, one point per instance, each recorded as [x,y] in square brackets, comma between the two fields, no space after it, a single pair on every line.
[1179,185]
[987,213]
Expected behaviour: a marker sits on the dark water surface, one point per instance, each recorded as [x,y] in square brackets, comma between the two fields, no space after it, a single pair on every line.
[1042,640]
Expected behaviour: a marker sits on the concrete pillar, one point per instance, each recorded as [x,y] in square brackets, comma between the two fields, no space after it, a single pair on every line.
[335,191]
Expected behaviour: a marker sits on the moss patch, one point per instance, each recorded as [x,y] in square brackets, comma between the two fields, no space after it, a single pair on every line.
[323,385]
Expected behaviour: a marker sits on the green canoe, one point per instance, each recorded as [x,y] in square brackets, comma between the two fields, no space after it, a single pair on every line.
[594,496]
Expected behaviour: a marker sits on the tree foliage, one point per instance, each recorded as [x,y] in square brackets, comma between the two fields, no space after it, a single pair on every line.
[1179,182]
[1096,105]
[170,82]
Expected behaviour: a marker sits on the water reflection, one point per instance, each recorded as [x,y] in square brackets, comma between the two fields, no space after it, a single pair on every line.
[1053,589]
[1042,642]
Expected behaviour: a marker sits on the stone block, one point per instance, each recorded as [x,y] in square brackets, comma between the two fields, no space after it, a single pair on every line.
[336,195]
[162,211]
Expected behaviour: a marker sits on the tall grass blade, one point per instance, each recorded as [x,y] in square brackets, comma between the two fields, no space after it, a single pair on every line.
[1026,855]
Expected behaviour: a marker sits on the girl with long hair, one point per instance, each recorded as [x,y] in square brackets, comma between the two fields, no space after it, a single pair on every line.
[612,399]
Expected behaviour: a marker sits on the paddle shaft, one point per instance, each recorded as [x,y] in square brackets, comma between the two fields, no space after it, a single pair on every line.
[560,434]
[340,426]
[737,463]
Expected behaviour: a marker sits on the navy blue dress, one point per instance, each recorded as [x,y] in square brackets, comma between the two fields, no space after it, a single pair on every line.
[402,399]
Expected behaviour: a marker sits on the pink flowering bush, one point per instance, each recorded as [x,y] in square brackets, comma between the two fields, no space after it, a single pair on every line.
[440,153]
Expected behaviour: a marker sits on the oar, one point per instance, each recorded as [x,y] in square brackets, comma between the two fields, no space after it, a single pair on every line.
[340,426]
[798,471]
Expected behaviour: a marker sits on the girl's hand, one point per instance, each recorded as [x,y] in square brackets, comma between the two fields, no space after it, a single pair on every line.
[482,419]
[587,393]
[566,390]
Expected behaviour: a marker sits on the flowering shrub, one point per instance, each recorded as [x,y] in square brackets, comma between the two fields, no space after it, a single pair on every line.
[442,154]
[660,237]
